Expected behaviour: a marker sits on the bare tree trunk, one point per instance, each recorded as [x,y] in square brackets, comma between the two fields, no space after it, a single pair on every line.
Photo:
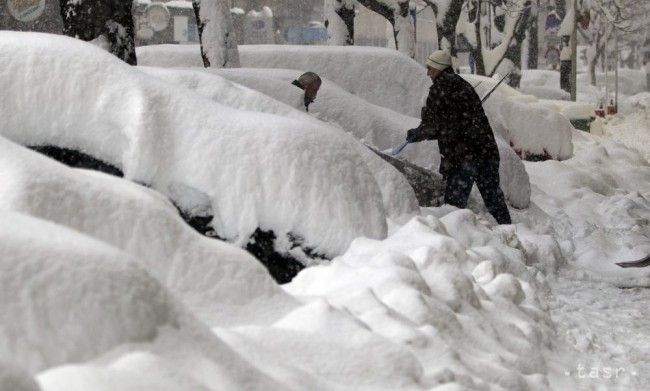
[477,51]
[217,34]
[446,26]
[400,20]
[404,29]
[533,39]
[339,21]
[514,50]
[107,20]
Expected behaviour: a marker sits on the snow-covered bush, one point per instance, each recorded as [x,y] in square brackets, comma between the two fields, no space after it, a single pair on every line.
[260,171]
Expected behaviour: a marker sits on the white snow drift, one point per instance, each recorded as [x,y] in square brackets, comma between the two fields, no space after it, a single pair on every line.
[204,273]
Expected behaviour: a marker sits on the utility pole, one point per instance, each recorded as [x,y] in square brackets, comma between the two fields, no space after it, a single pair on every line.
[574,53]
[606,73]
[616,69]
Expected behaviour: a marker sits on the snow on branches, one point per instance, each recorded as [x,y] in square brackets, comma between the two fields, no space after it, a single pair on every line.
[339,21]
[218,45]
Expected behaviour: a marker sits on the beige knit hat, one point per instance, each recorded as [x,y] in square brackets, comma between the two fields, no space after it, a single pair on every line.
[440,59]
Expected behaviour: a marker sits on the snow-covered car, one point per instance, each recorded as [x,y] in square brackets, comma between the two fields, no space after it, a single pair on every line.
[389,79]
[300,183]
[373,125]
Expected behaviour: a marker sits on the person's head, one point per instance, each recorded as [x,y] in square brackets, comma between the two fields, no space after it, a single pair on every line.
[437,62]
[311,83]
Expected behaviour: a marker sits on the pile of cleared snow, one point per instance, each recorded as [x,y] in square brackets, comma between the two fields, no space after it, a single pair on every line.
[453,290]
[630,82]
[258,170]
[599,202]
[524,121]
[632,125]
[450,287]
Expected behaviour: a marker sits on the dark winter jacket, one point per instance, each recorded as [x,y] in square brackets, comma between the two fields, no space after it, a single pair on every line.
[454,116]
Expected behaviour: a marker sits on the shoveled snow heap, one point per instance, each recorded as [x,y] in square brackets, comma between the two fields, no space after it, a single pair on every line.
[257,169]
[599,202]
[446,299]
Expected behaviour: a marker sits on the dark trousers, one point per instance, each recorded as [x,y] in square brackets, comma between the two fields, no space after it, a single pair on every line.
[486,175]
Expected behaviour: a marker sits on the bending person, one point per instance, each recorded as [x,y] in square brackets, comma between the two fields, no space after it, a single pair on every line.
[454,116]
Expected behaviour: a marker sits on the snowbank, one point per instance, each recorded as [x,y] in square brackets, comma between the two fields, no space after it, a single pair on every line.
[67,297]
[630,82]
[438,300]
[170,56]
[397,195]
[258,170]
[599,204]
[544,84]
[526,123]
[631,126]
[455,291]
[214,278]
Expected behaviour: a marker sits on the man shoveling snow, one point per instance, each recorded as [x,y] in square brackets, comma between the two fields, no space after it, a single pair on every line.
[454,116]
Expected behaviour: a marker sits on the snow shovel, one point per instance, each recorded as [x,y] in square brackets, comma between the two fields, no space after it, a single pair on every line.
[403,145]
[645,262]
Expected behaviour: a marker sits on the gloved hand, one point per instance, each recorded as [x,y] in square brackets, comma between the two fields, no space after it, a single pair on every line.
[411,135]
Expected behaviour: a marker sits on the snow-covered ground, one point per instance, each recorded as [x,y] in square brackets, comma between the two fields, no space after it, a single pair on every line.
[632,125]
[103,286]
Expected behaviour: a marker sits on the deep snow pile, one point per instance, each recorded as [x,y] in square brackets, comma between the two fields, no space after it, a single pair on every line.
[68,298]
[396,82]
[525,121]
[202,272]
[544,84]
[632,125]
[599,202]
[258,170]
[630,82]
[446,299]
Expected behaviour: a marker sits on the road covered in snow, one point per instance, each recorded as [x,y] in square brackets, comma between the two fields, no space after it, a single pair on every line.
[106,284]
